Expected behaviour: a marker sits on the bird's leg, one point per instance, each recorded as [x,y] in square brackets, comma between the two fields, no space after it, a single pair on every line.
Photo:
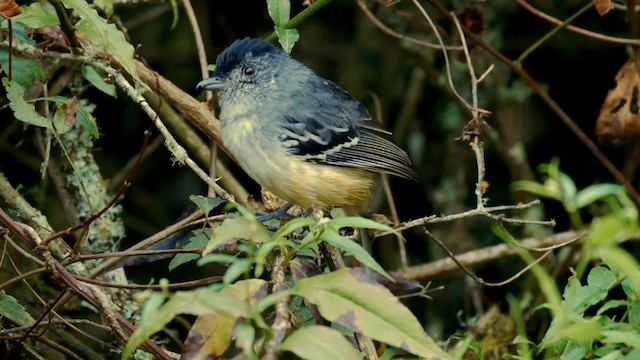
[281,212]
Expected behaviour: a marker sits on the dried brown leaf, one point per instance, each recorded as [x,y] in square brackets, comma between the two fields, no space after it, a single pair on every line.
[631,8]
[9,8]
[603,6]
[619,117]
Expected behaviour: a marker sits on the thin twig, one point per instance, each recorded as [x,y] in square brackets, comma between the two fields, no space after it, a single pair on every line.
[581,31]
[387,30]
[548,35]
[281,322]
[178,285]
[197,36]
[486,211]
[484,255]
[179,153]
[475,277]
[517,68]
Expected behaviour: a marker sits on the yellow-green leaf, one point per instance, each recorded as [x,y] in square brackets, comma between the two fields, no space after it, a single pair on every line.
[234,229]
[320,343]
[23,110]
[106,37]
[349,298]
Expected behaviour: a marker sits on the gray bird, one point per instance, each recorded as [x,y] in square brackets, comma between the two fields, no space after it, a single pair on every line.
[301,136]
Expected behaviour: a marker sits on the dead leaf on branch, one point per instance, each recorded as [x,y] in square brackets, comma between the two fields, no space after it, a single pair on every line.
[9,8]
[603,6]
[619,117]
[631,8]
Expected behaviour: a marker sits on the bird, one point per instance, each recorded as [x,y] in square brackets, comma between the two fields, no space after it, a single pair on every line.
[300,136]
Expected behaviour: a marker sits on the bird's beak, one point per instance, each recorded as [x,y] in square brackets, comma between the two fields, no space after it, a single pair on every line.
[212,83]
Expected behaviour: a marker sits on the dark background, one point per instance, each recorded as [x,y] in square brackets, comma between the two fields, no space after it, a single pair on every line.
[341,44]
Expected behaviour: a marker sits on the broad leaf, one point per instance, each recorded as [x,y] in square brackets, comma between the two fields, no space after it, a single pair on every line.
[107,38]
[97,80]
[206,203]
[235,229]
[287,38]
[11,309]
[198,241]
[350,247]
[350,299]
[26,72]
[234,301]
[320,343]
[23,110]
[37,15]
[279,11]
[209,337]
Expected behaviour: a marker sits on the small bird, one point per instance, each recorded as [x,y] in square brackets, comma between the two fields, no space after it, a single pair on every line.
[296,134]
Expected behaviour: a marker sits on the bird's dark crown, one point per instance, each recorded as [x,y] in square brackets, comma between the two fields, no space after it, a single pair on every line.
[230,57]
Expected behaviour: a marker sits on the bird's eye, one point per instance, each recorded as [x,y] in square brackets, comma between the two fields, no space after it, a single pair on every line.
[249,70]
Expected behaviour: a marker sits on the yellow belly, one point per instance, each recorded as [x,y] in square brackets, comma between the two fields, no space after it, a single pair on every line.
[323,186]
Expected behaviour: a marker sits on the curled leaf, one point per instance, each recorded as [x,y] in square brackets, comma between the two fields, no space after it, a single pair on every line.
[619,117]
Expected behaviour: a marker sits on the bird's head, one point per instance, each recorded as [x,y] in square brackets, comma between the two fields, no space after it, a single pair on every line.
[249,67]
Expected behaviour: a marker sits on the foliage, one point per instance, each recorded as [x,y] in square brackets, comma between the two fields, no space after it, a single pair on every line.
[82,177]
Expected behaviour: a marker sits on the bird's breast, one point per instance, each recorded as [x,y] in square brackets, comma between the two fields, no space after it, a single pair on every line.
[263,157]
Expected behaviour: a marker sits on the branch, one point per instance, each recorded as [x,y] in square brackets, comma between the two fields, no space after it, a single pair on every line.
[581,31]
[484,255]
[281,322]
[517,68]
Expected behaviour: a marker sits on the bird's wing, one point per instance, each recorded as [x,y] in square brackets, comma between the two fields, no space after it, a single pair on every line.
[339,133]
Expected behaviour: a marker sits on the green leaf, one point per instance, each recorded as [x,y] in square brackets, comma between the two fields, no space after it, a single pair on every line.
[62,120]
[579,298]
[319,343]
[629,338]
[567,187]
[37,15]
[21,33]
[534,188]
[107,38]
[233,301]
[279,11]
[293,225]
[360,222]
[237,268]
[23,110]
[575,354]
[287,38]
[618,259]
[352,300]
[97,80]
[634,315]
[593,193]
[217,258]
[11,309]
[206,203]
[606,230]
[612,304]
[584,331]
[602,278]
[176,13]
[105,5]
[234,229]
[26,72]
[196,242]
[350,247]
[245,336]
